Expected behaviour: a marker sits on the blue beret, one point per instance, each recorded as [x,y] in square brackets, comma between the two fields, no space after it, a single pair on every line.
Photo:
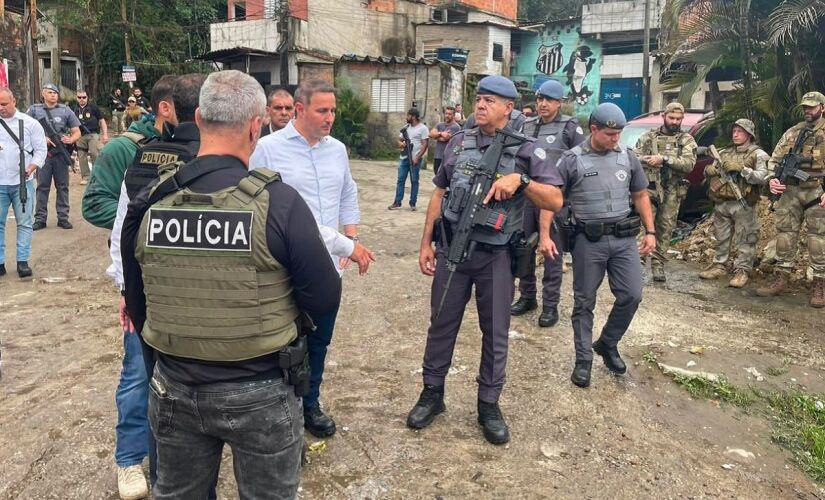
[609,115]
[551,89]
[497,85]
[52,87]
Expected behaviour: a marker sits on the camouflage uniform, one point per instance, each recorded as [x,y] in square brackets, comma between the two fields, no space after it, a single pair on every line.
[668,186]
[748,167]
[789,208]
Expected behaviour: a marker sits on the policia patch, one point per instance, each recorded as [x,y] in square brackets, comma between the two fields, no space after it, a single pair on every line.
[186,229]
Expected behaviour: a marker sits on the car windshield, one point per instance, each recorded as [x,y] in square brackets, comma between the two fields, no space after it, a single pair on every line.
[631,133]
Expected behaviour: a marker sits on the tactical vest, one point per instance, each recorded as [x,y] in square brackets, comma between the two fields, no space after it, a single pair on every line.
[813,147]
[665,145]
[213,290]
[550,136]
[602,188]
[150,156]
[460,181]
[735,161]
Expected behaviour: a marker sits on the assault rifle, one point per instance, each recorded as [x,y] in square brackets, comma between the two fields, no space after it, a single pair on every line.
[790,165]
[53,136]
[470,205]
[407,145]
[726,178]
[24,192]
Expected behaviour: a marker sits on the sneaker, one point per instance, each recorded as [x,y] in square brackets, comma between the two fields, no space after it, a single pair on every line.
[394,206]
[740,278]
[131,484]
[83,182]
[412,208]
[713,272]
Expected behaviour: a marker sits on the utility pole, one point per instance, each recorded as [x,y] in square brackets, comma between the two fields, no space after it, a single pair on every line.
[126,46]
[646,61]
[33,53]
[283,56]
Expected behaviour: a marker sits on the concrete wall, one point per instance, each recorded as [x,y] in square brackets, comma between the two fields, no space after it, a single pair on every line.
[507,9]
[477,38]
[431,86]
[560,52]
[260,34]
[612,16]
[339,27]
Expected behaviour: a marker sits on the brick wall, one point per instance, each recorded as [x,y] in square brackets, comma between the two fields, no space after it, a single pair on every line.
[314,71]
[507,9]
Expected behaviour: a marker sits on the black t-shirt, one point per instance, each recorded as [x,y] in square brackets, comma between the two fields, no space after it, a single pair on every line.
[293,239]
[143,102]
[89,117]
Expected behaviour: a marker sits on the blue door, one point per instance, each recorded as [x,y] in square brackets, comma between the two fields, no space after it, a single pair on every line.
[625,93]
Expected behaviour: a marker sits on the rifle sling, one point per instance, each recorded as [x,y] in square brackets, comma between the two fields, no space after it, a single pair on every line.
[14,137]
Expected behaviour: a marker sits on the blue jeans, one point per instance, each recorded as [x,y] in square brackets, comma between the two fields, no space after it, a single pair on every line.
[317,344]
[403,170]
[261,421]
[10,196]
[132,429]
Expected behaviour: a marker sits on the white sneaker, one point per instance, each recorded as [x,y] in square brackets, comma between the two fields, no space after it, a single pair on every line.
[131,484]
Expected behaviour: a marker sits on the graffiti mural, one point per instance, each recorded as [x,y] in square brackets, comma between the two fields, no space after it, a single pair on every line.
[560,53]
[581,63]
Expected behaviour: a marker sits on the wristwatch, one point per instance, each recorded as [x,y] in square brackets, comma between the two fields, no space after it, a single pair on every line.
[650,232]
[525,181]
[353,238]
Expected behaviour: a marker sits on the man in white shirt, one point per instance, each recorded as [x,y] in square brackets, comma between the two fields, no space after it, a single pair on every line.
[413,141]
[316,165]
[34,156]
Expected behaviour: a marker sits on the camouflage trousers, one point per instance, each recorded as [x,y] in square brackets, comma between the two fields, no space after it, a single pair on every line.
[789,216]
[733,222]
[665,213]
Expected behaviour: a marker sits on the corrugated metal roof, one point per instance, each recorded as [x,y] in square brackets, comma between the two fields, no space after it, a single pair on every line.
[394,60]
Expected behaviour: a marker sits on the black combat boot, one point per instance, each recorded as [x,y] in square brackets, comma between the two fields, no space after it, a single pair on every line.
[430,403]
[2,269]
[23,269]
[523,305]
[581,373]
[549,316]
[318,423]
[492,423]
[611,357]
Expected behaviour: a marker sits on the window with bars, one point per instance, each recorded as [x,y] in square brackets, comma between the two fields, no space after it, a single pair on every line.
[498,52]
[389,95]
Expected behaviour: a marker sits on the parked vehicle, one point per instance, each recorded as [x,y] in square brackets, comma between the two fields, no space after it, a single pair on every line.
[695,123]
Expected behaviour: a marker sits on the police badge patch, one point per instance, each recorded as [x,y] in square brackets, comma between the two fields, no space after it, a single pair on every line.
[621,175]
[540,153]
[179,229]
[551,139]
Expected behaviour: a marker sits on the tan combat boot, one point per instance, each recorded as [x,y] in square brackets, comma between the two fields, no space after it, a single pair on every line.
[780,282]
[713,272]
[740,278]
[818,293]
[658,270]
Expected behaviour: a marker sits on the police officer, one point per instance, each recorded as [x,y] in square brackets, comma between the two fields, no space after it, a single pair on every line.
[210,256]
[798,201]
[488,267]
[65,124]
[554,133]
[746,165]
[94,133]
[603,182]
[180,140]
[668,155]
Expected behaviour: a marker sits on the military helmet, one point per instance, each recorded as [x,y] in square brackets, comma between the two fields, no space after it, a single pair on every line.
[746,125]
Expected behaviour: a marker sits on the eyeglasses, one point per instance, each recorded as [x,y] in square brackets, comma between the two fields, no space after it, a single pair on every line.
[82,97]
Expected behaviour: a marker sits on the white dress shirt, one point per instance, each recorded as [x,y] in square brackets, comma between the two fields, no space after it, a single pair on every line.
[34,145]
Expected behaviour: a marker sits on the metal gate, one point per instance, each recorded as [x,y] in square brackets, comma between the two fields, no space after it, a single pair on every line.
[625,93]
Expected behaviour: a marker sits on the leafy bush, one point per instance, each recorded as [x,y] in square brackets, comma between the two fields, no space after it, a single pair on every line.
[350,118]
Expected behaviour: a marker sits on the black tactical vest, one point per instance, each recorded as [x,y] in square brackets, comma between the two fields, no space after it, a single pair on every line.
[153,154]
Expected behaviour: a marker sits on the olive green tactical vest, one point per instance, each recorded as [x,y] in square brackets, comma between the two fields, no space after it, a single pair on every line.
[734,161]
[214,292]
[665,145]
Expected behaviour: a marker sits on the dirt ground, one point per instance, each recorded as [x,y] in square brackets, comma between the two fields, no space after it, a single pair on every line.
[639,436]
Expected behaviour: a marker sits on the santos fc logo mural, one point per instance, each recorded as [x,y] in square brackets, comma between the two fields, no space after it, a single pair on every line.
[578,66]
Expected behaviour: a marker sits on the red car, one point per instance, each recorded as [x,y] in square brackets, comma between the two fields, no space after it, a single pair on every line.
[695,121]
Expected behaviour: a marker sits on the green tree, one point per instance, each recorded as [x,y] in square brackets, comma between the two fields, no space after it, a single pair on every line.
[350,118]
[544,10]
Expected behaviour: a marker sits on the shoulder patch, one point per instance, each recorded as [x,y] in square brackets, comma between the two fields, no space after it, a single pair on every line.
[540,153]
[579,130]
